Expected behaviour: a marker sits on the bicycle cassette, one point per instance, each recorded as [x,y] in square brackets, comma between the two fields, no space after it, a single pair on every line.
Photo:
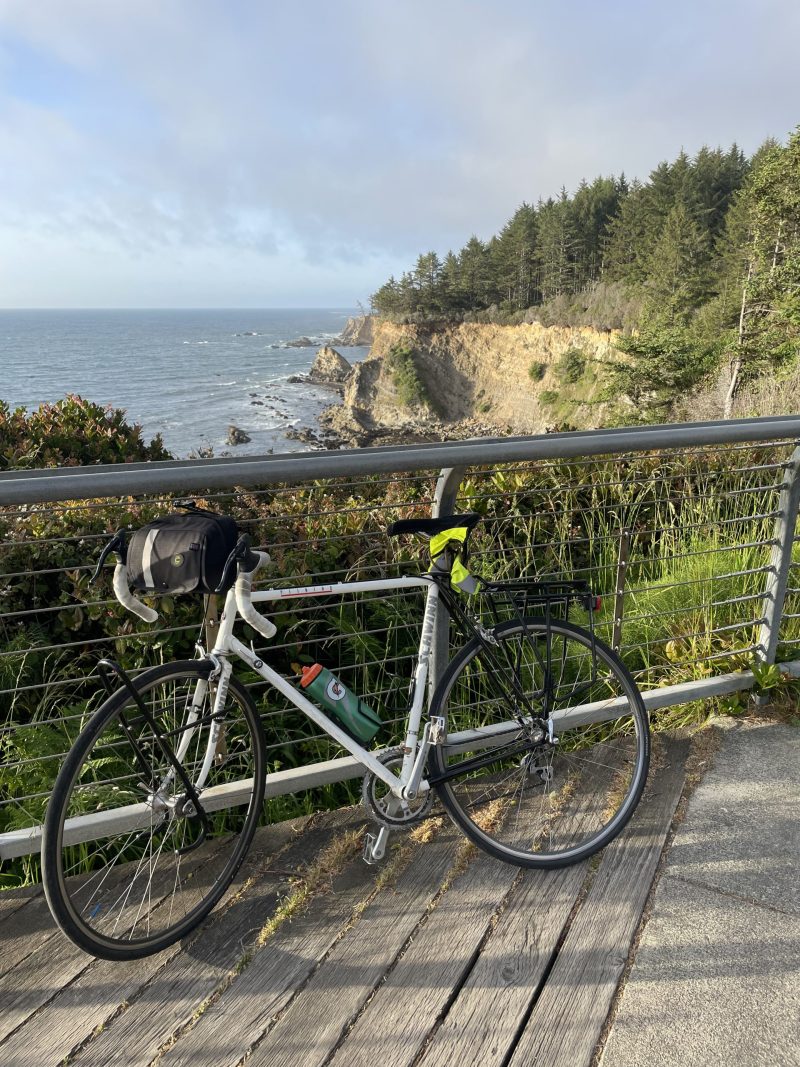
[385,808]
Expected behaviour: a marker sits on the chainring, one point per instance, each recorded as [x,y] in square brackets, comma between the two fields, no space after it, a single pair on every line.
[388,810]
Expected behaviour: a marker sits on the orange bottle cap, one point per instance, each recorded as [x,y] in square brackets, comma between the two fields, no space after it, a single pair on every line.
[309,674]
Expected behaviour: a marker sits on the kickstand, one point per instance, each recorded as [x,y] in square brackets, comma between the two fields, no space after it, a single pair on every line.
[375,846]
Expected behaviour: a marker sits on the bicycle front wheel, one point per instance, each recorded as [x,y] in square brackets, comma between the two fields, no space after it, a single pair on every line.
[153,812]
[547,743]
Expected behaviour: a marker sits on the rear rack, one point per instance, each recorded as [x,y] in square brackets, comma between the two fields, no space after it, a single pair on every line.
[517,599]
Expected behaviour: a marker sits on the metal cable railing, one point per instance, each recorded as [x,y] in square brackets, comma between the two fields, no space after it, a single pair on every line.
[686,533]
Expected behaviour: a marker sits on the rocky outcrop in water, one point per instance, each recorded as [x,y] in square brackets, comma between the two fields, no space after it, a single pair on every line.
[237,436]
[329,366]
[358,330]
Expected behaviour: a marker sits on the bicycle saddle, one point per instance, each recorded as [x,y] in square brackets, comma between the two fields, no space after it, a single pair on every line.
[430,527]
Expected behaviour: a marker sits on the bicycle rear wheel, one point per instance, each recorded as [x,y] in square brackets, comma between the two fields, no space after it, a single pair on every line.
[519,793]
[131,863]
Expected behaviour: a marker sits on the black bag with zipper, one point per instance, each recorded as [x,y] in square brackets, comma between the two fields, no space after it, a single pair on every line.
[182,553]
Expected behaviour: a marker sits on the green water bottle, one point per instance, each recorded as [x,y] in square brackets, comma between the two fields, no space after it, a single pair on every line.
[350,711]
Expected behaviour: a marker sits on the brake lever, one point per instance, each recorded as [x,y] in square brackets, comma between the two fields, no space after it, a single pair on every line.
[116,544]
[240,551]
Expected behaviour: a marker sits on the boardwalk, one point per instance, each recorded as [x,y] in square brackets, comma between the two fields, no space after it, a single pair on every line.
[440,956]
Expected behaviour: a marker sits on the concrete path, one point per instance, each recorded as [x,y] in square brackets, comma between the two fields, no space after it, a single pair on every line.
[716,978]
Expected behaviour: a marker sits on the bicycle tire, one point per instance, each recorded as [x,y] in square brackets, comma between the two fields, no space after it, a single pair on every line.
[597,771]
[117,896]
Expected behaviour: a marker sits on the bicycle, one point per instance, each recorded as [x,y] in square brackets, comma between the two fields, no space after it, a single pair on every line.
[536,743]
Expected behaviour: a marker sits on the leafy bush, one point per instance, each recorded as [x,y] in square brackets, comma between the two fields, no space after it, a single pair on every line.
[548,397]
[70,432]
[570,367]
[411,390]
[537,371]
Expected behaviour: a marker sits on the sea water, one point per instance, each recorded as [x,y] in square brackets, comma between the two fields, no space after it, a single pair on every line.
[185,374]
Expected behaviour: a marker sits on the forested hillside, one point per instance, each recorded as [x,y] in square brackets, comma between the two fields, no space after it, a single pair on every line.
[699,265]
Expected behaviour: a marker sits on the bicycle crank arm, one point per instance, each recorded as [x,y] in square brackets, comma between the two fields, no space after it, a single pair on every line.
[432,735]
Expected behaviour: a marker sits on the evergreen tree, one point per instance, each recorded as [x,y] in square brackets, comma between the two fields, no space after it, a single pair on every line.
[452,292]
[769,322]
[556,247]
[707,250]
[475,270]
[627,241]
[512,258]
[678,279]
[593,208]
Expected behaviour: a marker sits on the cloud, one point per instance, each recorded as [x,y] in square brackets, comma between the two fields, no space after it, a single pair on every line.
[356,133]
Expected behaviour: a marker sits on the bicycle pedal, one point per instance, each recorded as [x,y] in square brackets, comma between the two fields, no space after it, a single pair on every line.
[375,847]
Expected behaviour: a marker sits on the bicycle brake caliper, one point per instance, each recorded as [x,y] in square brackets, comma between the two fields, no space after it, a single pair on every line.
[486,635]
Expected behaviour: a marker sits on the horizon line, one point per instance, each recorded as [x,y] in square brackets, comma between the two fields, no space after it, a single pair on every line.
[197,307]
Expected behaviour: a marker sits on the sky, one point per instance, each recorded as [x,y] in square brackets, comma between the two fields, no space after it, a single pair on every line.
[251,153]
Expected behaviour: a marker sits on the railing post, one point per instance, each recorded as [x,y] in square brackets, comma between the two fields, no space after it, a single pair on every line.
[619,588]
[780,561]
[444,503]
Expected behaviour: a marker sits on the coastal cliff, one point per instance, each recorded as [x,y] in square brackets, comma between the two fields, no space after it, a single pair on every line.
[518,379]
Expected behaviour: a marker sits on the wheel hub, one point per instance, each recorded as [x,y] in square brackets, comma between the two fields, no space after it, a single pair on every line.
[536,764]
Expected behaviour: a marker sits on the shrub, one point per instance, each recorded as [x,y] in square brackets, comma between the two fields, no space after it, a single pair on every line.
[411,390]
[571,366]
[71,432]
[536,371]
[548,397]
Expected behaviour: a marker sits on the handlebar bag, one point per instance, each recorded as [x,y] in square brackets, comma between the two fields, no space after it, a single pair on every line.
[182,553]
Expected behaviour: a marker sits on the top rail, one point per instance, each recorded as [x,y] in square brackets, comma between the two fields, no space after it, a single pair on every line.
[132,479]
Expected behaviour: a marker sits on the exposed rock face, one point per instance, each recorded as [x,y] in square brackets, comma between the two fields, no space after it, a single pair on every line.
[358,331]
[329,366]
[475,371]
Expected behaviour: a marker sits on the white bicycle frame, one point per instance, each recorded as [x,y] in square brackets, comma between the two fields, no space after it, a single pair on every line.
[238,603]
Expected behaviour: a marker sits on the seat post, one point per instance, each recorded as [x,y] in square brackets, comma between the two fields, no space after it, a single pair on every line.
[444,504]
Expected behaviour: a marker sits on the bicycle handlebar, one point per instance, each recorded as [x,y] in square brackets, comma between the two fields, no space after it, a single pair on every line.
[243,557]
[242,590]
[124,595]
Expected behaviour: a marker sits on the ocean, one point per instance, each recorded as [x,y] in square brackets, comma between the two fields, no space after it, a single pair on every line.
[185,374]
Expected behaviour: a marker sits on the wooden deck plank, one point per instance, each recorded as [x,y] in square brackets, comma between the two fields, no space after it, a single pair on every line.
[482,1023]
[407,1005]
[513,962]
[23,932]
[229,1027]
[568,1017]
[11,900]
[82,1006]
[309,1030]
[406,1010]
[56,962]
[427,973]
[169,1000]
